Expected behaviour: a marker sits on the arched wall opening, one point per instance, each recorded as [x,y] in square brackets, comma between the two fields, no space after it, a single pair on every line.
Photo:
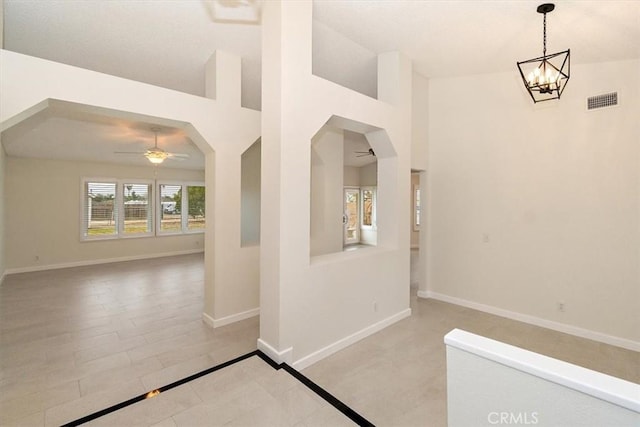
[221,128]
[344,179]
[77,147]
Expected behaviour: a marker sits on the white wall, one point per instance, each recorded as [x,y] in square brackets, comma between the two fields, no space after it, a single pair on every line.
[236,274]
[1,24]
[351,176]
[359,64]
[532,205]
[369,175]
[419,164]
[42,203]
[3,168]
[327,184]
[492,383]
[310,308]
[420,122]
[250,189]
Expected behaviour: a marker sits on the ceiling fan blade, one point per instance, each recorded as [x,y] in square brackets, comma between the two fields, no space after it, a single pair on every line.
[178,155]
[129,152]
[369,152]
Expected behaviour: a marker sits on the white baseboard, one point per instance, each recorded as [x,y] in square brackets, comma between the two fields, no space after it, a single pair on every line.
[537,321]
[216,323]
[98,261]
[208,320]
[347,341]
[284,356]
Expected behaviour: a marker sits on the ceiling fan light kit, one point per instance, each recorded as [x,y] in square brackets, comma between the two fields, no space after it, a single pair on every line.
[546,77]
[156,155]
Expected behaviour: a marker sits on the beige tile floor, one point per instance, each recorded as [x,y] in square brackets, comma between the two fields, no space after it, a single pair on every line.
[75,341]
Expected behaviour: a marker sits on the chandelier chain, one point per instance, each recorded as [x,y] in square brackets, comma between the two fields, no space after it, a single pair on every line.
[544,35]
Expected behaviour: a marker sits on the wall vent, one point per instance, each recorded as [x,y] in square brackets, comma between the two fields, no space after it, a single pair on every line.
[601,101]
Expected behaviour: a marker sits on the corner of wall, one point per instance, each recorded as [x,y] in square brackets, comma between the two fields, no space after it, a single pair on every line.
[2,204]
[419,121]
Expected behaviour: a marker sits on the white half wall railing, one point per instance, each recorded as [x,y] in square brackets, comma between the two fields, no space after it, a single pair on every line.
[491,383]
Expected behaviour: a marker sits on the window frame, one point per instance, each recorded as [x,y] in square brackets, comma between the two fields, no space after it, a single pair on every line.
[184,208]
[84,229]
[121,208]
[417,207]
[154,202]
[374,201]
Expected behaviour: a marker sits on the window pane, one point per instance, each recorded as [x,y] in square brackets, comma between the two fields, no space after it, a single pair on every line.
[367,207]
[196,203]
[171,203]
[100,214]
[417,207]
[137,215]
[351,211]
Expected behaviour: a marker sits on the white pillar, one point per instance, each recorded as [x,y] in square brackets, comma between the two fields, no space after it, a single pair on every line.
[232,273]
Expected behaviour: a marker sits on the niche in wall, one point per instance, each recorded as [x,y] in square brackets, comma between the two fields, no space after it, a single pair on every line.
[344,187]
[250,196]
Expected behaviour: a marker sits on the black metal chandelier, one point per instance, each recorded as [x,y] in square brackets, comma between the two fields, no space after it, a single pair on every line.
[545,77]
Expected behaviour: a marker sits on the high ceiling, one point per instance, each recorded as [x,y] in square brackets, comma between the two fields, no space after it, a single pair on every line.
[167,43]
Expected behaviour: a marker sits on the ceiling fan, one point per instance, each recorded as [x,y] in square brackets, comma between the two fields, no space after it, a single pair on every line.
[369,152]
[156,155]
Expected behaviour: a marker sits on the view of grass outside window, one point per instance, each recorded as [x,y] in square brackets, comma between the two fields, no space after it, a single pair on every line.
[178,215]
[100,216]
[137,212]
[124,208]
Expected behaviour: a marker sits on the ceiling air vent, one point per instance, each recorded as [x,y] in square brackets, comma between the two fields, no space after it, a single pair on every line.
[601,101]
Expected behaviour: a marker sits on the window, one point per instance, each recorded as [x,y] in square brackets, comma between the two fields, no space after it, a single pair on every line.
[416,207]
[351,215]
[368,207]
[178,214]
[195,207]
[170,208]
[99,218]
[114,208]
[137,217]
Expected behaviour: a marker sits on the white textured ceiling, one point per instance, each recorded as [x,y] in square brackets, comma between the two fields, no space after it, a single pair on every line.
[453,38]
[167,43]
[61,133]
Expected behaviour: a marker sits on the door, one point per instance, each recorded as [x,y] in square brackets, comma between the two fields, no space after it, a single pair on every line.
[351,218]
